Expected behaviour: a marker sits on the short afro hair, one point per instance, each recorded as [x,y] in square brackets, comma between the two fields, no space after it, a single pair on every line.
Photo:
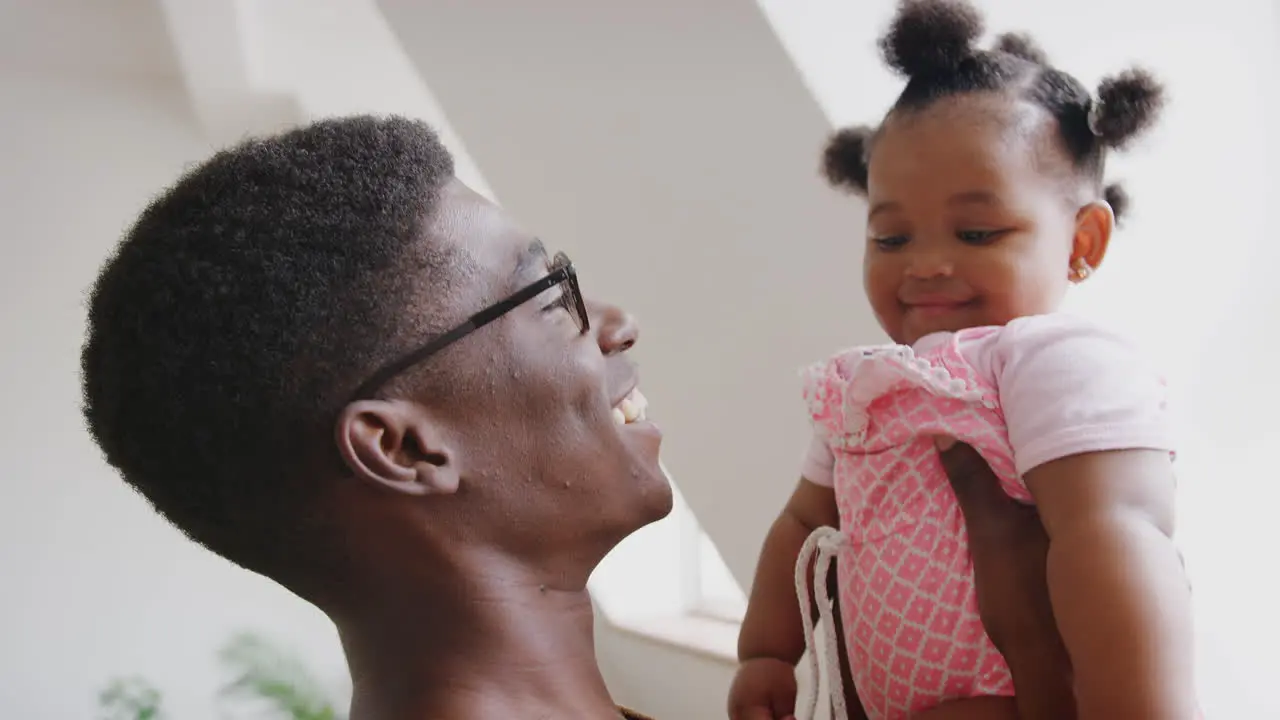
[932,44]
[243,305]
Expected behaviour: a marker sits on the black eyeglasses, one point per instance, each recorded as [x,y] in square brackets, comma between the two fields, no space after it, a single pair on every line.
[562,274]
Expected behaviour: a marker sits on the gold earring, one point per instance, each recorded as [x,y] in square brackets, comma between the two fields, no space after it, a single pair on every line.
[1080,270]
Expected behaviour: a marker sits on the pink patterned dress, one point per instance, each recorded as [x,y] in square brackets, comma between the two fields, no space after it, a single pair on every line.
[906,588]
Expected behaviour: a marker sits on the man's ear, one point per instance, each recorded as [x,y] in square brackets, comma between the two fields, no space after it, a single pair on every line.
[397,446]
[1094,224]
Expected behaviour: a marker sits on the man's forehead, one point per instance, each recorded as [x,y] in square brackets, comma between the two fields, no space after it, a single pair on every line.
[532,256]
[483,231]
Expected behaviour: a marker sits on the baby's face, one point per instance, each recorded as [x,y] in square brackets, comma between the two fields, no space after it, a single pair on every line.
[969,223]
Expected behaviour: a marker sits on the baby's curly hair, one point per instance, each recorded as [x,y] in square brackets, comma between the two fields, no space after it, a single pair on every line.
[240,308]
[932,44]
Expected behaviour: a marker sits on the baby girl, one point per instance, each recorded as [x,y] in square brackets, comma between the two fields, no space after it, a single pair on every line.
[986,195]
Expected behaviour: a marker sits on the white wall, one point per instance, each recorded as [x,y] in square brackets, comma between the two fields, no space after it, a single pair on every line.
[94,584]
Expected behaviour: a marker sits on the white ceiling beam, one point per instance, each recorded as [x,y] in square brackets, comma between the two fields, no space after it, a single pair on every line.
[211,40]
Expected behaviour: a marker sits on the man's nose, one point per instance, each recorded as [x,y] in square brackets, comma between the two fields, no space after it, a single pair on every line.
[616,329]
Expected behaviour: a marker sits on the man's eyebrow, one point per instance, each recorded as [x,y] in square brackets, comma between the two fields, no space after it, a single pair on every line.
[534,254]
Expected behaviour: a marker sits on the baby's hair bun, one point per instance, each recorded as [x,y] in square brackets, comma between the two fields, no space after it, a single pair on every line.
[844,162]
[1021,45]
[930,36]
[1127,104]
[1118,199]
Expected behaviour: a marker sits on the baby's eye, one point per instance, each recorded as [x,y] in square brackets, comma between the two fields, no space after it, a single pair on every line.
[891,242]
[977,237]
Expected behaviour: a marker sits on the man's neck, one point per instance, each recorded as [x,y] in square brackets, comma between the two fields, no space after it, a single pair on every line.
[500,645]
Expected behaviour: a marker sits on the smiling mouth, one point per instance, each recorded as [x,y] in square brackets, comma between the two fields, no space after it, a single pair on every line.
[940,308]
[631,409]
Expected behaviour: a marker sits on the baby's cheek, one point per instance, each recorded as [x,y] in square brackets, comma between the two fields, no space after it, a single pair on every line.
[891,322]
[1023,295]
[883,297]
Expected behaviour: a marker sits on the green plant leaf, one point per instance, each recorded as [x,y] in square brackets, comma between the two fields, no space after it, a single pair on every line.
[130,698]
[279,681]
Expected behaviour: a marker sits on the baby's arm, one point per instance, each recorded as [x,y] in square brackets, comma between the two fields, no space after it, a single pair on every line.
[1116,582]
[1091,435]
[772,640]
[772,627]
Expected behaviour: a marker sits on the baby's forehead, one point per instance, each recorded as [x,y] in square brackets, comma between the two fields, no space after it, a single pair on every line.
[984,132]
[996,116]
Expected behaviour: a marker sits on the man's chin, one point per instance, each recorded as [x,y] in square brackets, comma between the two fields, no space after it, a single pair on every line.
[662,500]
[655,498]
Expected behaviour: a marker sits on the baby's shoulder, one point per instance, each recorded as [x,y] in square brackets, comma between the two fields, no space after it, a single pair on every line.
[1049,339]
[1056,326]
[1035,343]
[1066,335]
[1029,329]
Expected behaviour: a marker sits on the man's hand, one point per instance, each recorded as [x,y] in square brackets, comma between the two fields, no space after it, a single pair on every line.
[1009,547]
[977,708]
[763,689]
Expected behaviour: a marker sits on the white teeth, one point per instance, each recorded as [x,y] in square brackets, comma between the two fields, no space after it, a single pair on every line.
[631,409]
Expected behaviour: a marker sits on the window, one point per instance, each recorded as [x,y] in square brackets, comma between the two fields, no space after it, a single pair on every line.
[714,592]
[669,568]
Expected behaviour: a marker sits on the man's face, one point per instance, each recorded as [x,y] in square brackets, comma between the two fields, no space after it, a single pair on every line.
[551,453]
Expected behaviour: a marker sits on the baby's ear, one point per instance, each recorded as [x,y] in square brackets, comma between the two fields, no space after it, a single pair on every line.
[844,162]
[1094,224]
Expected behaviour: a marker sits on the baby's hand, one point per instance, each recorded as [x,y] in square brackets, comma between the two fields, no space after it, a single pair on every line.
[763,689]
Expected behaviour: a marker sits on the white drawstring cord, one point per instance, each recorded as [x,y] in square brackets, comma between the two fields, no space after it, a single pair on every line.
[826,543]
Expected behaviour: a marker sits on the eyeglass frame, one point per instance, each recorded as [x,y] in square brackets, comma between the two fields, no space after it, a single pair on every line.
[562,273]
